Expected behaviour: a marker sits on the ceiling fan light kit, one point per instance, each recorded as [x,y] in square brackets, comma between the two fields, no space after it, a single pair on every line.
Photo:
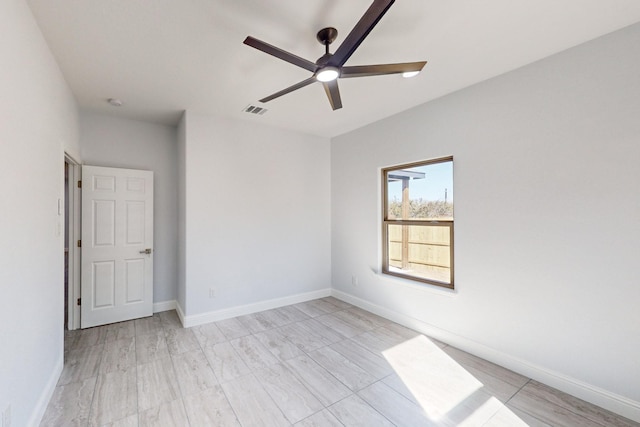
[330,66]
[327,74]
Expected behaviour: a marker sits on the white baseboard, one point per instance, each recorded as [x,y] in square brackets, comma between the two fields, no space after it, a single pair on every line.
[47,393]
[613,402]
[164,306]
[241,310]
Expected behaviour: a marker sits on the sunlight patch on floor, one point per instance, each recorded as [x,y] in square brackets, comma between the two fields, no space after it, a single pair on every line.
[446,391]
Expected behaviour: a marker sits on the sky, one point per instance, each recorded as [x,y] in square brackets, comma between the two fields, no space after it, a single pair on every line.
[438,177]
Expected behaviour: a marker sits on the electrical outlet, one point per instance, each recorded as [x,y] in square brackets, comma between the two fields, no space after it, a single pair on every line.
[6,417]
[354,280]
[212,292]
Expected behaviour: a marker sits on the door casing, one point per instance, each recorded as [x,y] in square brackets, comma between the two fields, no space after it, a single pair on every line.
[73,234]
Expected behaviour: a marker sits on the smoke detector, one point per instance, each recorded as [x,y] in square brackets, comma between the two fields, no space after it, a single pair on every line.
[115,102]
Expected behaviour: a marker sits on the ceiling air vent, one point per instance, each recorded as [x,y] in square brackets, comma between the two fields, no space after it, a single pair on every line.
[253,109]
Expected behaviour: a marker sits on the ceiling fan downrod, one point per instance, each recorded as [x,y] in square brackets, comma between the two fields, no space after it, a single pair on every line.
[326,36]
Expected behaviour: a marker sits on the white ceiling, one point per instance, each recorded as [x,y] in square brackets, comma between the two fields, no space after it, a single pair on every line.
[165,56]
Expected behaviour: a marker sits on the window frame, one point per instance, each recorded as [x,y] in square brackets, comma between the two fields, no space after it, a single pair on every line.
[386,222]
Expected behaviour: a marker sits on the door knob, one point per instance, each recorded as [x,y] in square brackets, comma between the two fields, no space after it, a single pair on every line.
[146,251]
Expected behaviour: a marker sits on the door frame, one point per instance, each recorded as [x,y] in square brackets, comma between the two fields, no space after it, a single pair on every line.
[73,234]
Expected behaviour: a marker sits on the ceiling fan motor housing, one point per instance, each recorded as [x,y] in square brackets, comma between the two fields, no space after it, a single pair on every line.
[322,61]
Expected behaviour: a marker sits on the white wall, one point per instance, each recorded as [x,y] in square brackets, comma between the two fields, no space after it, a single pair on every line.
[38,121]
[121,143]
[258,213]
[547,188]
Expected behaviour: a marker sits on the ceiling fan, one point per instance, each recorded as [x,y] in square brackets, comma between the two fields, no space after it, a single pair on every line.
[330,66]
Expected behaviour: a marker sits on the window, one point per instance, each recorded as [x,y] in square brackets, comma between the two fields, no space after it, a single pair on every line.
[417,222]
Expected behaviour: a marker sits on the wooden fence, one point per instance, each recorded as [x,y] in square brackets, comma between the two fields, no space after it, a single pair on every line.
[427,250]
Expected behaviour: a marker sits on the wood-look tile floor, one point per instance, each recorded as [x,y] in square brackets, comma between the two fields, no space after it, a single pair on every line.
[318,363]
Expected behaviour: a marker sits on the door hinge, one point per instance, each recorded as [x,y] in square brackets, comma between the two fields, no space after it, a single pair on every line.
[79,243]
[79,184]
[79,300]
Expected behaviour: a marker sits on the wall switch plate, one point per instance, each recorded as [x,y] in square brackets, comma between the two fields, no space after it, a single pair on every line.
[212,292]
[354,280]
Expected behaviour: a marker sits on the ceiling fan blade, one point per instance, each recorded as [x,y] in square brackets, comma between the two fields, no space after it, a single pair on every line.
[362,29]
[333,93]
[381,69]
[289,89]
[279,53]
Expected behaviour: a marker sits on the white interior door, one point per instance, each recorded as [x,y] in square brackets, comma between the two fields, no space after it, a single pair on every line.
[117,245]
